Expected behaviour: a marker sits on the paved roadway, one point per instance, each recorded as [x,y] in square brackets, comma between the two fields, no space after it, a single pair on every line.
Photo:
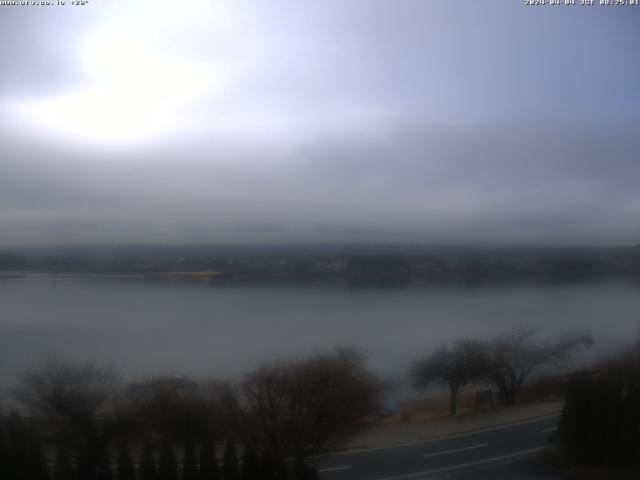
[500,452]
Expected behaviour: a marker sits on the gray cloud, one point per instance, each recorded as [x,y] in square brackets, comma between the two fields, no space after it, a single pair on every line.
[479,121]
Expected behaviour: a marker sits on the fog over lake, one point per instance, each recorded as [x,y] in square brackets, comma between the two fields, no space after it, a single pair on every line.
[146,327]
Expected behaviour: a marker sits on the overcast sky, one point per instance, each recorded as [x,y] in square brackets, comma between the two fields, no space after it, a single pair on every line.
[156,121]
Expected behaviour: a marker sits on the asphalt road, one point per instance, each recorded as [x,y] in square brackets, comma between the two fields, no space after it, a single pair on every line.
[504,451]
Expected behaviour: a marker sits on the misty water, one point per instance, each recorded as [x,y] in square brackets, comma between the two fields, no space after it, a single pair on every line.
[146,327]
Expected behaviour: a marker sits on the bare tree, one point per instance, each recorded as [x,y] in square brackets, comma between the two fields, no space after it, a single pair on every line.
[514,356]
[80,400]
[456,366]
[301,407]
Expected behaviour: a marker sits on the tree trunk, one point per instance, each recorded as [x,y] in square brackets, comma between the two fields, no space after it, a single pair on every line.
[503,394]
[454,400]
[301,471]
[509,397]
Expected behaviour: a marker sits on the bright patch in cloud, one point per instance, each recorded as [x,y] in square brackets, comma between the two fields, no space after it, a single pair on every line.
[136,90]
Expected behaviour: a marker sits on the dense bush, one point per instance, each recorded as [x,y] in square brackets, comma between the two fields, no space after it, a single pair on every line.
[104,468]
[62,469]
[22,452]
[250,464]
[600,423]
[125,469]
[230,469]
[147,466]
[168,468]
[189,462]
[574,423]
[208,462]
[38,461]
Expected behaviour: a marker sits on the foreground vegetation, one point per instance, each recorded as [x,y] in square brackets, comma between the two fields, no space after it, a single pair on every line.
[600,424]
[82,422]
[172,427]
[505,362]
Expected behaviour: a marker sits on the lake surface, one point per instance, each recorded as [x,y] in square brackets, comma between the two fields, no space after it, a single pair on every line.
[145,327]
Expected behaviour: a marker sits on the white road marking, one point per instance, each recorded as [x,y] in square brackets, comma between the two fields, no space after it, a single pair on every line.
[547,430]
[332,469]
[455,450]
[464,465]
[437,439]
